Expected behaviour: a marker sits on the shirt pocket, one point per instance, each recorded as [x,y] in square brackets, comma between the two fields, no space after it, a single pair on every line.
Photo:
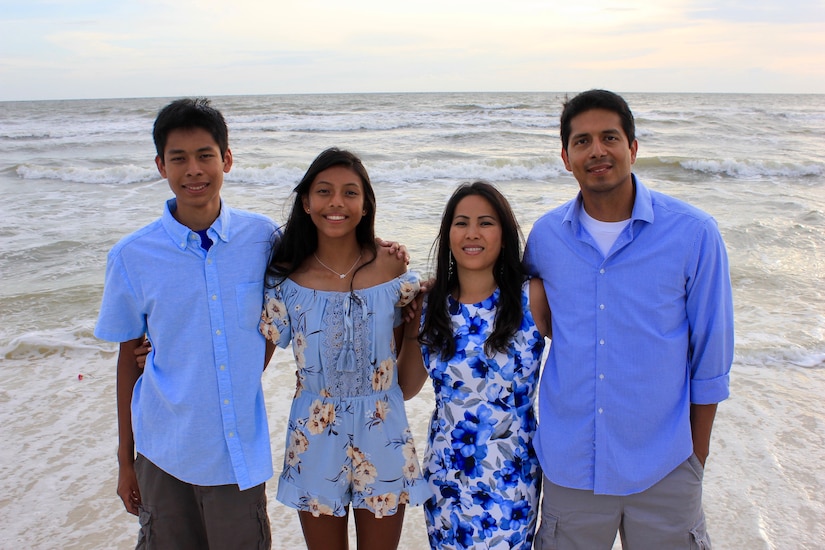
[250,298]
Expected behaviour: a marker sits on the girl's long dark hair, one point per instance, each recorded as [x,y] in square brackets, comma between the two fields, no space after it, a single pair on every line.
[300,237]
[437,330]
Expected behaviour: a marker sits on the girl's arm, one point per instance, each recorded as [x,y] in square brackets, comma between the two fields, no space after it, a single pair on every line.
[270,350]
[539,307]
[410,362]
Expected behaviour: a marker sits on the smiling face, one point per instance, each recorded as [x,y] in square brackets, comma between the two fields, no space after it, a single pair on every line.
[598,153]
[335,201]
[194,168]
[475,234]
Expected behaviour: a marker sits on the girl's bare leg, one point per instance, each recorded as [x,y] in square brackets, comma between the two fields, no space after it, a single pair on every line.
[378,533]
[325,532]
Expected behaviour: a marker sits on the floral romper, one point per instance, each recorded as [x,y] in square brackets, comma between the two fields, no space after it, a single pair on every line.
[348,440]
[480,461]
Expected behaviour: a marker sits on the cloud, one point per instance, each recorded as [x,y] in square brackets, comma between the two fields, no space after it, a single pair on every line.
[68,48]
[760,11]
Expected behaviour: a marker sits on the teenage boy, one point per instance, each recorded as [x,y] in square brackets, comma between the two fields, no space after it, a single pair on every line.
[642,346]
[192,281]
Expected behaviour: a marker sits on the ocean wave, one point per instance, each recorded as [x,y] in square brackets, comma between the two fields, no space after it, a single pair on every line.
[490,106]
[383,121]
[737,169]
[753,168]
[418,170]
[808,359]
[402,171]
[117,175]
[42,344]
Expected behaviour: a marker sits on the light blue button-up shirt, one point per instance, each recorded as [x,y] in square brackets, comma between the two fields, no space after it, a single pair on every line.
[198,408]
[638,336]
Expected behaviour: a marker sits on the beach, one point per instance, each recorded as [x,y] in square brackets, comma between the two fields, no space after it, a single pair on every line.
[76,176]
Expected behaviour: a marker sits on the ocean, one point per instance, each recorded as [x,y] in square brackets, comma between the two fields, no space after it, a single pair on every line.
[76,176]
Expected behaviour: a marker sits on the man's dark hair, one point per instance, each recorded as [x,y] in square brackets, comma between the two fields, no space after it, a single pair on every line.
[596,99]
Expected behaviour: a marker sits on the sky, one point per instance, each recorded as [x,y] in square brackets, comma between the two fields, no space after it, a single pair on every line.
[85,49]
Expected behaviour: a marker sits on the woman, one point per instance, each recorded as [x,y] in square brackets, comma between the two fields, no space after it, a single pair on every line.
[348,441]
[482,337]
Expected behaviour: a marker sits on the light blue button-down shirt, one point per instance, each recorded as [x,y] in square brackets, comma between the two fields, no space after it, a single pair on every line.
[638,336]
[198,408]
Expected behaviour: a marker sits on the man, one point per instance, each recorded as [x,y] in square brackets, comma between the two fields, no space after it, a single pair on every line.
[192,280]
[642,324]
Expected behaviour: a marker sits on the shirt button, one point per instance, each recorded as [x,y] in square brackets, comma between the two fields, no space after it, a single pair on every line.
[231,434]
[601,342]
[218,332]
[226,401]
[192,236]
[601,410]
[209,261]
[215,297]
[601,306]
[223,367]
[601,377]
[601,271]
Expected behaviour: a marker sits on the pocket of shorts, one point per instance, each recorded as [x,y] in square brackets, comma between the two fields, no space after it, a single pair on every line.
[250,299]
[263,520]
[546,536]
[696,466]
[144,541]
[699,539]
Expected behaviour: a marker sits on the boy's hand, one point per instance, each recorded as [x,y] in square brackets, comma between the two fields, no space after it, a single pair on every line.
[127,488]
[394,248]
[141,352]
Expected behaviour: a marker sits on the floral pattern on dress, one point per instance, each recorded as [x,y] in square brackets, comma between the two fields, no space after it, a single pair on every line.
[480,461]
[348,442]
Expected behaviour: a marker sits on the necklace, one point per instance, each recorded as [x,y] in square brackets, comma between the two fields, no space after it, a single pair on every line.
[340,275]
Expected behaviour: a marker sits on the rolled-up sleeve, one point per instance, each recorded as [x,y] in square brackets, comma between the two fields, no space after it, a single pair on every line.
[710,316]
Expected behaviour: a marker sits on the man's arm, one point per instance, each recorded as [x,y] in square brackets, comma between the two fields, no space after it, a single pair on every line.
[128,373]
[709,308]
[701,423]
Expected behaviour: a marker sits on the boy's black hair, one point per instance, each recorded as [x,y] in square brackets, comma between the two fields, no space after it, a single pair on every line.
[596,99]
[189,114]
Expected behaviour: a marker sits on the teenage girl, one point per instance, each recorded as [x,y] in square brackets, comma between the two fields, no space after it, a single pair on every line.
[348,442]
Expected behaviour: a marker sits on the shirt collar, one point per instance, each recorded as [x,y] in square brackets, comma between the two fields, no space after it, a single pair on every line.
[642,205]
[180,233]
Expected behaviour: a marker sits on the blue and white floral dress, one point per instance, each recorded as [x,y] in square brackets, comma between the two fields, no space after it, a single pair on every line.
[480,462]
[348,440]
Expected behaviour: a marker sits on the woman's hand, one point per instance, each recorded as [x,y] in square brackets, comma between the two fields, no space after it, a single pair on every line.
[142,351]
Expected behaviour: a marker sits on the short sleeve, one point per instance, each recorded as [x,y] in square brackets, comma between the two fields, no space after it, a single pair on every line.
[121,317]
[410,284]
[274,323]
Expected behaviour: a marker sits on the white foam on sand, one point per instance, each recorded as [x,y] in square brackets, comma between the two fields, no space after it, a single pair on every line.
[763,486]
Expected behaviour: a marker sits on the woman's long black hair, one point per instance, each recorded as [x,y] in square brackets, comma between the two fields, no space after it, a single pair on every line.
[300,236]
[437,331]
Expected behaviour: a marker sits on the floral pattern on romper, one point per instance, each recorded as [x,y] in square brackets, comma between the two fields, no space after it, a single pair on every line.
[348,439]
[480,462]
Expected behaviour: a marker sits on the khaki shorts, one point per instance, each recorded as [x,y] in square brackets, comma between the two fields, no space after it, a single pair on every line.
[174,514]
[667,515]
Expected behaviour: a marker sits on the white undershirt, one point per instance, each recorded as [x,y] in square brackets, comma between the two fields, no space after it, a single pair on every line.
[604,233]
